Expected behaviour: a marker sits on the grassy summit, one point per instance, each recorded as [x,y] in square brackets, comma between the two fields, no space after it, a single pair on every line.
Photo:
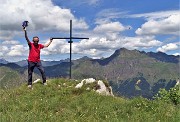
[60,101]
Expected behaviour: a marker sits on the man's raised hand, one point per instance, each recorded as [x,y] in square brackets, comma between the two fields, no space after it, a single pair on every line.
[51,39]
[24,29]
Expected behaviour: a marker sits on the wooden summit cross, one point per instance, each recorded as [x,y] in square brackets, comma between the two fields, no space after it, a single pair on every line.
[70,44]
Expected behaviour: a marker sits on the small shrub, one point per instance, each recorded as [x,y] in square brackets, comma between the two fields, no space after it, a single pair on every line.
[172,95]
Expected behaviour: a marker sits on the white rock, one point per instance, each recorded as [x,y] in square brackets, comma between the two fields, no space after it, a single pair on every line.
[103,89]
[36,80]
[79,85]
[177,83]
[88,88]
[86,81]
[89,80]
[111,93]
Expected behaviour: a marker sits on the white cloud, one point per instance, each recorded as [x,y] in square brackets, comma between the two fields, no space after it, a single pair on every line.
[168,47]
[1,54]
[10,42]
[101,46]
[56,47]
[109,27]
[79,3]
[107,24]
[111,30]
[169,25]
[155,15]
[107,15]
[6,34]
[143,42]
[3,49]
[98,47]
[161,22]
[93,43]
[95,47]
[93,2]
[12,48]
[176,54]
[17,50]
[42,15]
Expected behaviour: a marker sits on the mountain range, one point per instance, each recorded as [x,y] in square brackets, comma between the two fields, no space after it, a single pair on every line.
[24,63]
[130,72]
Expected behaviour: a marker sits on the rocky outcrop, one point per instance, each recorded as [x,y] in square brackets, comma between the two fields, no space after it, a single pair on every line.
[99,86]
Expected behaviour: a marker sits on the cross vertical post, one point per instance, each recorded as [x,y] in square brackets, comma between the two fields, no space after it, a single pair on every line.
[70,48]
[70,41]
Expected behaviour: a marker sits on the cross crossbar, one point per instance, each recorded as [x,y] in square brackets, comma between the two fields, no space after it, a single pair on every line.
[68,38]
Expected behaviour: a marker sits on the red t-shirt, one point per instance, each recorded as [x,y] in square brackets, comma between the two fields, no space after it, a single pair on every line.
[34,52]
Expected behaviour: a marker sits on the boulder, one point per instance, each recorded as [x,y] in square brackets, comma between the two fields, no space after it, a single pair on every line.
[104,90]
[100,87]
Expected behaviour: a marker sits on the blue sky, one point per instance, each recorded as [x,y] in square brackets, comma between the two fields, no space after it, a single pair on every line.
[110,24]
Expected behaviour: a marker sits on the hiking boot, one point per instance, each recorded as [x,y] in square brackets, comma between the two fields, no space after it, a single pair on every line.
[30,86]
[45,84]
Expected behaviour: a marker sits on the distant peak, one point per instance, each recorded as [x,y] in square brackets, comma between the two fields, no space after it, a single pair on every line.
[121,49]
[84,58]
[123,52]
[161,56]
[3,61]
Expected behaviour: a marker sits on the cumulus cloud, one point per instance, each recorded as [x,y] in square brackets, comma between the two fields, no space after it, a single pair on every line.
[169,25]
[176,54]
[143,42]
[111,30]
[168,47]
[106,36]
[7,34]
[3,49]
[101,46]
[10,42]
[56,47]
[94,47]
[107,24]
[1,54]
[42,15]
[109,27]
[12,49]
[17,50]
